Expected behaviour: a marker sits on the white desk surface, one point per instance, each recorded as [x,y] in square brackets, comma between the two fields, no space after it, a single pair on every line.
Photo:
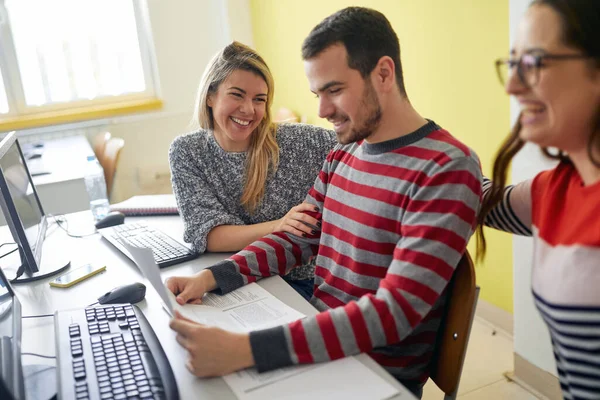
[63,190]
[39,298]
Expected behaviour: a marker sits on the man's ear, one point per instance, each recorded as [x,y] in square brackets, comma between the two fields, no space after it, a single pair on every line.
[385,73]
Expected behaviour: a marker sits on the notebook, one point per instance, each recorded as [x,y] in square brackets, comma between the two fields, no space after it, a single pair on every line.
[159,204]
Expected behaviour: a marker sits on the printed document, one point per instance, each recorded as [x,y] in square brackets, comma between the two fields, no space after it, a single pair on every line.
[245,309]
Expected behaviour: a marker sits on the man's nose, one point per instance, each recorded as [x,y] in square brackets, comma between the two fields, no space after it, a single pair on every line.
[326,108]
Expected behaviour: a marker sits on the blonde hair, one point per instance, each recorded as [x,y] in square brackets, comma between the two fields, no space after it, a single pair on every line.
[263,153]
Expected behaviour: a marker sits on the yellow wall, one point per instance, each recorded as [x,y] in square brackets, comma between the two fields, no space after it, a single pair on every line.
[448,48]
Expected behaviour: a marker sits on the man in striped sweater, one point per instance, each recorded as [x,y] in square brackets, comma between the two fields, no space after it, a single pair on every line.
[397,201]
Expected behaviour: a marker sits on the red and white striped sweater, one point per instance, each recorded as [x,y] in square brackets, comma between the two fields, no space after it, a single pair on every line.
[561,214]
[396,218]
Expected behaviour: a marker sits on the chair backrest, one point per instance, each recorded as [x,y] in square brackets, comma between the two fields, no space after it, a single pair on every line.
[285,115]
[110,160]
[99,145]
[451,349]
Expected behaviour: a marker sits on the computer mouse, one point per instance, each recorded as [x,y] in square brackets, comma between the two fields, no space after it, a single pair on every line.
[112,218]
[131,293]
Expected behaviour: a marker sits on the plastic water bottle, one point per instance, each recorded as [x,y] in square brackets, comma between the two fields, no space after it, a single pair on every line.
[96,188]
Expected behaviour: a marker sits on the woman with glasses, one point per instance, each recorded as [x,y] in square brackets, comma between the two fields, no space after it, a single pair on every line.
[554,73]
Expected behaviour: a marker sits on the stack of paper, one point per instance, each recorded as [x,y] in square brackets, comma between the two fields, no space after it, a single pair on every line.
[158,204]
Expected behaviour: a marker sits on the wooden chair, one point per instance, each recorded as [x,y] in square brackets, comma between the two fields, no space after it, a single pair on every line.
[451,349]
[110,160]
[285,115]
[99,144]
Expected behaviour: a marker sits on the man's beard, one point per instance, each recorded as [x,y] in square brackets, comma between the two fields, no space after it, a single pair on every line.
[369,119]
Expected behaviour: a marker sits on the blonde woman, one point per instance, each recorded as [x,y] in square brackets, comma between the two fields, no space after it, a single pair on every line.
[241,176]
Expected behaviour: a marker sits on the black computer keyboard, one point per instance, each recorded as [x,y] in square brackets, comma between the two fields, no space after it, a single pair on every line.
[110,352]
[167,251]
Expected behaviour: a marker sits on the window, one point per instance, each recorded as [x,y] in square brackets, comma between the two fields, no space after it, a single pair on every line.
[3,100]
[64,55]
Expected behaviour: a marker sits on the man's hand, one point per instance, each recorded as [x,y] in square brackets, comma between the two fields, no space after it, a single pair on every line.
[296,220]
[212,351]
[191,289]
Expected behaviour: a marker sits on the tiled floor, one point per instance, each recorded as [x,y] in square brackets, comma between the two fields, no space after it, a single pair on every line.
[489,356]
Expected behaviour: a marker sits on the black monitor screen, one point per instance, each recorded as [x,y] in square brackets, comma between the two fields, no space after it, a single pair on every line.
[23,196]
[21,206]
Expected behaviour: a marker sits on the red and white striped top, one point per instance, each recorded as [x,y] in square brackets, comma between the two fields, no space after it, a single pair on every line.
[396,218]
[563,216]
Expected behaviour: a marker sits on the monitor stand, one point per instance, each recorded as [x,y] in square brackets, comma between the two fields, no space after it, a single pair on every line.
[53,261]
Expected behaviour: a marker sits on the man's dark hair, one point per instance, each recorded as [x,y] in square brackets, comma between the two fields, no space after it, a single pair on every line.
[365,33]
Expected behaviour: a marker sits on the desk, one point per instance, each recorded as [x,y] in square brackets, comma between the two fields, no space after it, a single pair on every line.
[39,298]
[63,191]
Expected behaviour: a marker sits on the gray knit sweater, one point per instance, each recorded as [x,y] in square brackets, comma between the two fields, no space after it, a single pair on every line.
[208,181]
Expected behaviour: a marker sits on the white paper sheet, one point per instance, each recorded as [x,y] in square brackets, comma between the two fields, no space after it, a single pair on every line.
[235,298]
[343,379]
[144,259]
[246,309]
[249,379]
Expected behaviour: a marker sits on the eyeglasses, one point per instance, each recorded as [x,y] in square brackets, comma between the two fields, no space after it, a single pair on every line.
[528,66]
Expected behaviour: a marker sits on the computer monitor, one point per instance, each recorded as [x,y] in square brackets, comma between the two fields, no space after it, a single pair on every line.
[12,384]
[25,215]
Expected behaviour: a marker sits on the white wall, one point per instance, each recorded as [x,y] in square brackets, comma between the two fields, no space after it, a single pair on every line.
[187,33]
[240,21]
[531,337]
